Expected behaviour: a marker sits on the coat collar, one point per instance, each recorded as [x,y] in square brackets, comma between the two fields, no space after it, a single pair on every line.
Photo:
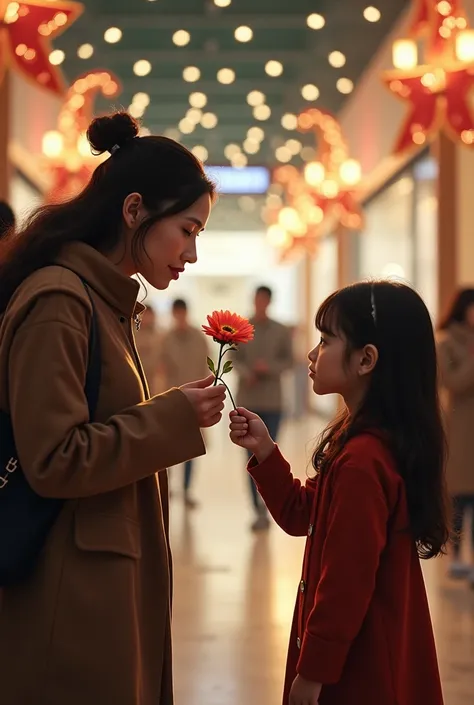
[103,276]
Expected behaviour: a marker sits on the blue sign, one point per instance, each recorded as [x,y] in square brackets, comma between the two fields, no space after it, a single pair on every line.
[248,180]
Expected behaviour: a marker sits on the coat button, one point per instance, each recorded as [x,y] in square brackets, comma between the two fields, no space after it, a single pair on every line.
[310,530]
[302,585]
[298,643]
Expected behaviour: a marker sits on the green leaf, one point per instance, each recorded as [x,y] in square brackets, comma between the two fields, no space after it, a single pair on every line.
[228,367]
[211,366]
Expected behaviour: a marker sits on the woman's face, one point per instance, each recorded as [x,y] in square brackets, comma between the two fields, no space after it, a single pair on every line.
[170,244]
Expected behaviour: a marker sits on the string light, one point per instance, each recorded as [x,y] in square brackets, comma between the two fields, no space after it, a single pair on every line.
[181,38]
[310,92]
[194,115]
[209,121]
[113,35]
[262,112]
[56,57]
[289,121]
[256,134]
[372,14]
[274,68]
[231,150]
[251,146]
[226,76]
[345,86]
[198,100]
[142,67]
[85,51]
[191,74]
[337,59]
[255,98]
[200,152]
[315,21]
[243,34]
[239,161]
[186,126]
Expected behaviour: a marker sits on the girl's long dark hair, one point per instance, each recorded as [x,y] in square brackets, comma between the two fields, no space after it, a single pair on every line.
[402,399]
[168,177]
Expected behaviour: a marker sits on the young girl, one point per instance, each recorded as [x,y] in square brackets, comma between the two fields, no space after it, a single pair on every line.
[362,633]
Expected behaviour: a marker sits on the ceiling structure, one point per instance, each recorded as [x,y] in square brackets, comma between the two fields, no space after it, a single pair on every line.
[277,31]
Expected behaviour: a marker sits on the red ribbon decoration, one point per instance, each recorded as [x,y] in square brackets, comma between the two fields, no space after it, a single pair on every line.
[26,29]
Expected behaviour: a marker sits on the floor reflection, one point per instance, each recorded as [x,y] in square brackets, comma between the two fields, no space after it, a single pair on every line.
[234,591]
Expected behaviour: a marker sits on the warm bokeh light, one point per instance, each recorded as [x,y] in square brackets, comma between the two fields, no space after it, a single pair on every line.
[209,121]
[200,152]
[289,121]
[53,143]
[337,59]
[465,45]
[345,86]
[314,173]
[222,3]
[294,146]
[315,21]
[142,67]
[255,98]
[231,150]
[372,14]
[226,76]
[194,115]
[255,133]
[310,92]
[198,100]
[181,38]
[57,57]
[243,34]
[85,51]
[191,74]
[289,219]
[141,99]
[283,154]
[404,54]
[113,35]
[239,160]
[350,172]
[274,68]
[262,112]
[251,146]
[277,236]
[186,126]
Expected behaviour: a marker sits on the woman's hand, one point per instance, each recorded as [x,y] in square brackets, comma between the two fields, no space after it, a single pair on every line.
[304,692]
[207,400]
[248,431]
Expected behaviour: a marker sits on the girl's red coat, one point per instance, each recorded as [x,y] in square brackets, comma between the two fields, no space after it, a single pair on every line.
[362,625]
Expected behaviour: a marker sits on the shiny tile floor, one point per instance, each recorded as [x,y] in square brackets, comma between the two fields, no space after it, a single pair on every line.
[234,591]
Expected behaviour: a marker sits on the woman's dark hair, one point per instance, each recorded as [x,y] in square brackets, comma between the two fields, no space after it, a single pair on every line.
[458,307]
[168,177]
[7,219]
[402,398]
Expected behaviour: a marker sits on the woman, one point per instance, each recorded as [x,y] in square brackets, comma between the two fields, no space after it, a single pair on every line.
[456,360]
[92,623]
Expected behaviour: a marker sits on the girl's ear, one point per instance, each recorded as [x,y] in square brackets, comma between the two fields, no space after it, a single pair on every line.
[368,360]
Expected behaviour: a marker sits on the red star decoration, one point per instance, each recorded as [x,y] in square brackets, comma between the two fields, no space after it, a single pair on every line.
[438,99]
[430,19]
[26,29]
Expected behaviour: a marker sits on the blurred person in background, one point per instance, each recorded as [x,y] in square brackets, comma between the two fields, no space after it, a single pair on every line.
[184,354]
[7,218]
[260,365]
[456,362]
[149,339]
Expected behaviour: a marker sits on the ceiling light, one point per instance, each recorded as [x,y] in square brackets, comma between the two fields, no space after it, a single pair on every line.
[57,57]
[251,146]
[198,100]
[191,74]
[226,76]
[231,150]
[142,67]
[186,126]
[113,35]
[345,85]
[209,121]
[255,134]
[315,21]
[141,99]
[337,59]
[181,38]
[222,3]
[243,34]
[372,14]
[294,146]
[85,51]
[239,161]
[262,112]
[200,152]
[255,98]
[274,68]
[289,121]
[283,154]
[194,115]
[310,92]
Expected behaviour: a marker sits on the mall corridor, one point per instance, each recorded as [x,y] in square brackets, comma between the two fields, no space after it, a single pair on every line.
[234,591]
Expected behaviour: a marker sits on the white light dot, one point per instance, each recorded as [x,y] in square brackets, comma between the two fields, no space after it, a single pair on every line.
[251,146]
[226,76]
[142,67]
[191,74]
[85,51]
[294,146]
[289,121]
[315,21]
[209,121]
[243,34]
[181,38]
[141,99]
[57,57]
[186,126]
[255,98]
[231,150]
[337,59]
[345,85]
[113,35]
[283,154]
[262,112]
[200,152]
[274,68]
[198,100]
[136,110]
[194,115]
[239,161]
[310,92]
[372,14]
[256,134]
[222,3]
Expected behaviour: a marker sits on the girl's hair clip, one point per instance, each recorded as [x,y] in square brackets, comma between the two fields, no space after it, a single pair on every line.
[113,149]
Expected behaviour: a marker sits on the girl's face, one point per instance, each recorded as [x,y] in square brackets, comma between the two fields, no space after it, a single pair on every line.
[169,245]
[332,371]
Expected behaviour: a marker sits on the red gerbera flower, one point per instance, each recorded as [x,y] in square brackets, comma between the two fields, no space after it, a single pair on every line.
[226,327]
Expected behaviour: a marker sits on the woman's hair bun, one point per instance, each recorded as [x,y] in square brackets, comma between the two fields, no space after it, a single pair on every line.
[109,130]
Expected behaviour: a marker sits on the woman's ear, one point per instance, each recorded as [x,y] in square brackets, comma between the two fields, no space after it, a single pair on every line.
[368,360]
[131,209]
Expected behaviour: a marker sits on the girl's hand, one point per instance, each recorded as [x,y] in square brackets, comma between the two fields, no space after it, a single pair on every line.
[248,431]
[304,692]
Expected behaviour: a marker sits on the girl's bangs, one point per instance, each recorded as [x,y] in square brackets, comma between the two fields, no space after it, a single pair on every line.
[327,317]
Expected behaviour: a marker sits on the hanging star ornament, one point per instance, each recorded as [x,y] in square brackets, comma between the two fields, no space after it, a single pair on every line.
[26,30]
[437,90]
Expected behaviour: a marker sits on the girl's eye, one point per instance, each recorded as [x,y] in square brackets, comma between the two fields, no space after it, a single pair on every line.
[187,232]
[322,341]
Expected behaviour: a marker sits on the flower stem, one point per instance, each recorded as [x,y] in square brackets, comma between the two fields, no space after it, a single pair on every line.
[230,393]
[219,364]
